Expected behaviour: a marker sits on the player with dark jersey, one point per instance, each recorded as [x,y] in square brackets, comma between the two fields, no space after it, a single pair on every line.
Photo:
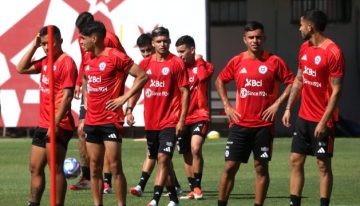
[166,99]
[111,40]
[319,81]
[256,73]
[105,72]
[64,76]
[197,119]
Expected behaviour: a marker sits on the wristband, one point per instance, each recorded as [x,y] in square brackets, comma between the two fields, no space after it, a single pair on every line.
[129,108]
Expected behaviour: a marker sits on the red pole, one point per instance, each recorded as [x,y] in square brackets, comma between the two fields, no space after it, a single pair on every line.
[52,119]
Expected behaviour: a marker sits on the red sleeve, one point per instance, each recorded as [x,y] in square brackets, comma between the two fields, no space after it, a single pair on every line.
[336,62]
[181,74]
[38,64]
[69,74]
[205,69]
[284,74]
[123,61]
[111,40]
[227,74]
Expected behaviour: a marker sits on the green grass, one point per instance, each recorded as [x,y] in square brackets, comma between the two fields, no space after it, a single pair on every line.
[14,177]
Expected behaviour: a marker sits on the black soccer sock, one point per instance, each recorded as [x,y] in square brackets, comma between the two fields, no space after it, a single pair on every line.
[172,194]
[85,172]
[197,180]
[143,180]
[324,201]
[222,203]
[177,184]
[295,200]
[33,204]
[157,193]
[258,204]
[191,181]
[107,178]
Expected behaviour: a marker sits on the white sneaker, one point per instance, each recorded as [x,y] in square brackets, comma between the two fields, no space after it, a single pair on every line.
[172,203]
[152,203]
[136,191]
[83,184]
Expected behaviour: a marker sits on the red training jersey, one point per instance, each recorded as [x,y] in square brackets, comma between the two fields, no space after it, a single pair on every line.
[65,73]
[162,101]
[110,40]
[257,85]
[199,74]
[318,65]
[105,77]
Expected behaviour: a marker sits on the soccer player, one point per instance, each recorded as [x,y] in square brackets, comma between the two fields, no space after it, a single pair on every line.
[111,40]
[319,81]
[256,73]
[197,119]
[146,50]
[165,106]
[65,73]
[105,71]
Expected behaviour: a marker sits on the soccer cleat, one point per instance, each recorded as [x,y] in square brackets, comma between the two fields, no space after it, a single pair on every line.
[198,195]
[189,196]
[136,191]
[172,203]
[107,188]
[152,203]
[83,184]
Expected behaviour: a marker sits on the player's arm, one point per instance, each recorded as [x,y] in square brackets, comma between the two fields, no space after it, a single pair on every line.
[140,80]
[336,83]
[231,112]
[25,66]
[270,112]
[295,89]
[64,105]
[205,70]
[185,98]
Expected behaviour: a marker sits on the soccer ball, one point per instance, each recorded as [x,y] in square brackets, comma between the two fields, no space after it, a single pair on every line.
[213,135]
[71,168]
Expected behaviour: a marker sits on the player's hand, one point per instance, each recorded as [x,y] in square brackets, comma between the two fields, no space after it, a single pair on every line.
[270,112]
[180,126]
[198,56]
[37,41]
[286,118]
[77,92]
[130,120]
[232,114]
[113,104]
[320,130]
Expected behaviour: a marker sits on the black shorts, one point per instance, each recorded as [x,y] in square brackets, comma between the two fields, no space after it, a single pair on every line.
[243,140]
[304,141]
[82,111]
[160,141]
[107,132]
[184,141]
[40,137]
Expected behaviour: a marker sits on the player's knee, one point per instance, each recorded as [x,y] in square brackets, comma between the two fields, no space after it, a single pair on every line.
[296,160]
[196,151]
[324,166]
[231,168]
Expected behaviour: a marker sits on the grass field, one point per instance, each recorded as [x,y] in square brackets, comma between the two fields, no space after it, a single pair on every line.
[14,178]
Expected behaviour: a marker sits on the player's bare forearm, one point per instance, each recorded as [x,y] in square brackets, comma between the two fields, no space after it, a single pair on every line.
[295,89]
[185,98]
[64,105]
[221,90]
[140,80]
[25,65]
[336,84]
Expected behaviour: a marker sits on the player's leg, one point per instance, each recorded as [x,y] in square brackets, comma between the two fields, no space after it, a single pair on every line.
[84,182]
[262,181]
[299,150]
[115,162]
[184,148]
[36,166]
[237,151]
[62,139]
[323,150]
[107,175]
[147,169]
[96,151]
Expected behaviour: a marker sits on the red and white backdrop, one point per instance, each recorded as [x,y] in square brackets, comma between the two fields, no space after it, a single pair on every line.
[21,20]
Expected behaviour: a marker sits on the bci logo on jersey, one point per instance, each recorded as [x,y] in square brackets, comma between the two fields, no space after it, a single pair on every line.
[165,70]
[94,79]
[157,83]
[253,83]
[102,66]
[309,71]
